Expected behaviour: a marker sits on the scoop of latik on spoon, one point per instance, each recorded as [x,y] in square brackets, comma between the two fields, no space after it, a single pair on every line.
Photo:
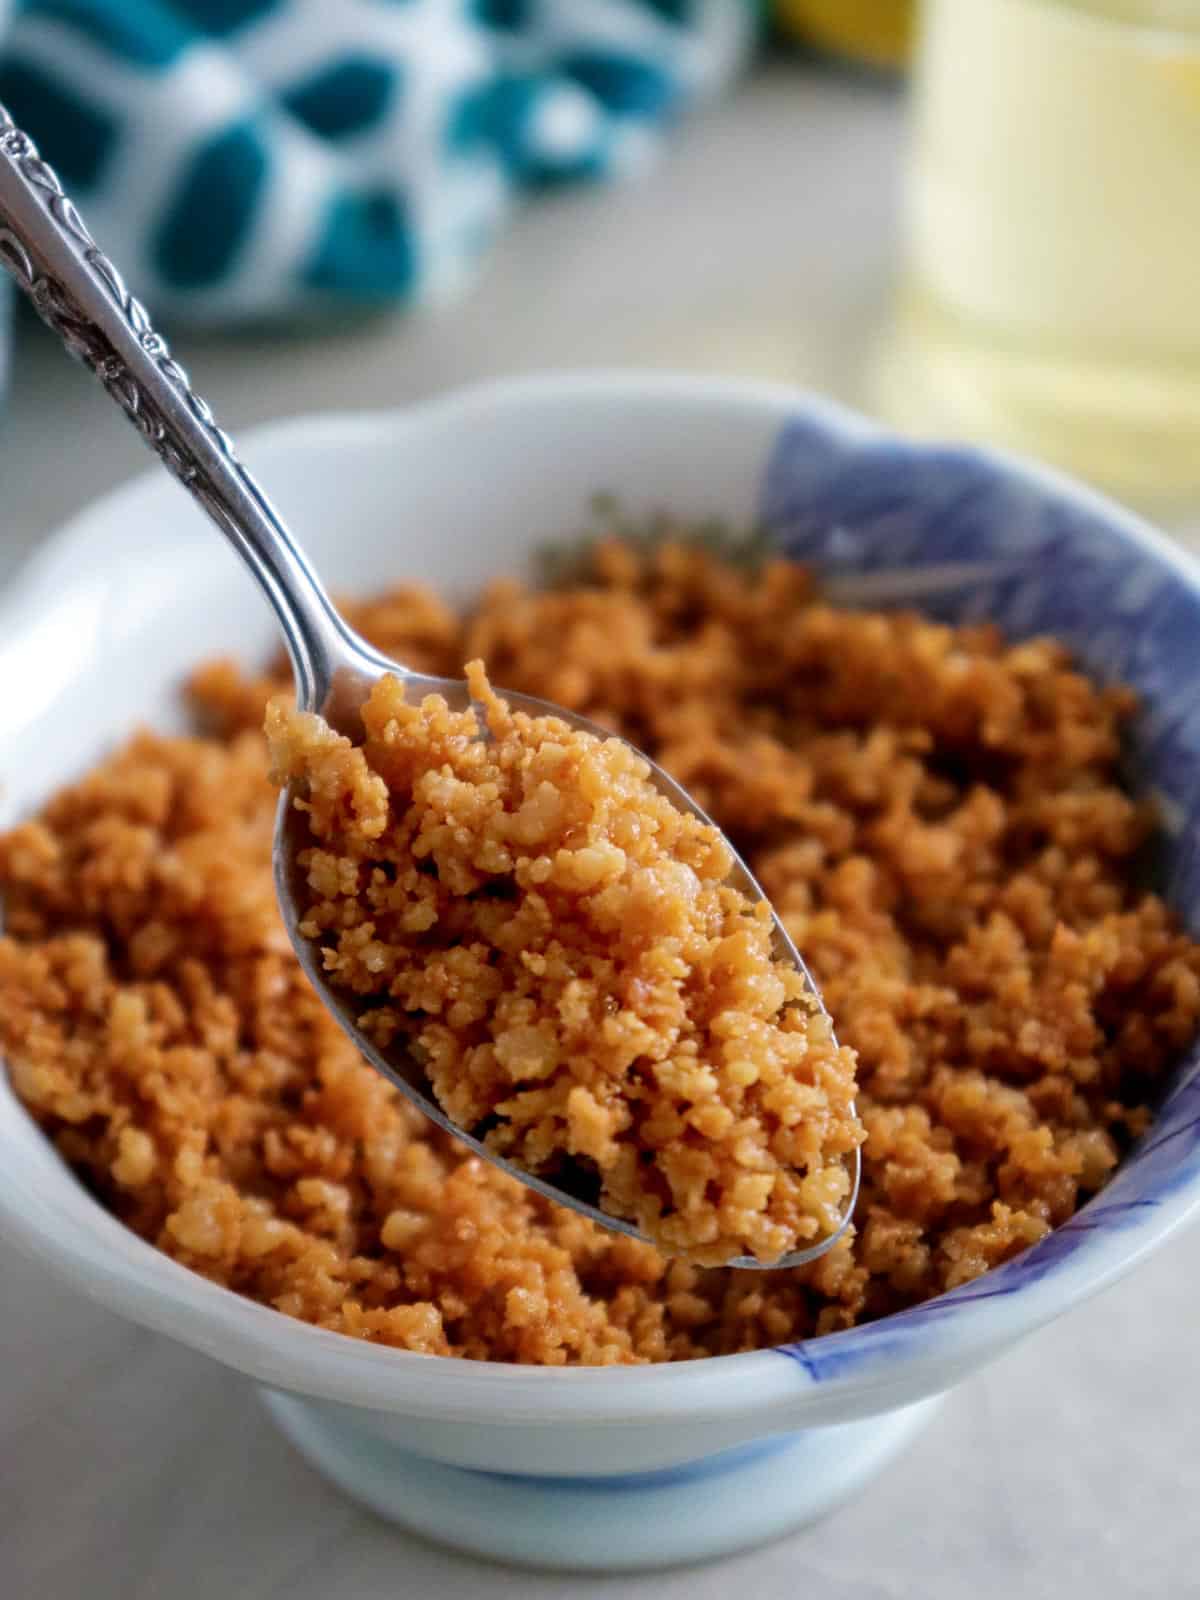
[79,294]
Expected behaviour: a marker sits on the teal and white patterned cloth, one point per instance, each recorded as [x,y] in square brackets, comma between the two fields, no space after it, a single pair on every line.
[270,159]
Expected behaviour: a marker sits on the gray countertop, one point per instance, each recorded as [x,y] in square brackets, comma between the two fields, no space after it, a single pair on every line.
[131,1468]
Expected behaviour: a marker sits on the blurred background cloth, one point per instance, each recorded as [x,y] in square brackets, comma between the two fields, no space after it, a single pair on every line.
[267,160]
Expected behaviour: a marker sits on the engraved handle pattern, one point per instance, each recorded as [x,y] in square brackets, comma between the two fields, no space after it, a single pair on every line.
[78,293]
[83,339]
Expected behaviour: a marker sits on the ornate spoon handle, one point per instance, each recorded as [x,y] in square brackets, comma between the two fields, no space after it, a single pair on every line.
[77,292]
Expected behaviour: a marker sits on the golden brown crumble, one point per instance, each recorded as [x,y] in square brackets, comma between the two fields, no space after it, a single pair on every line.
[563,948]
[936,814]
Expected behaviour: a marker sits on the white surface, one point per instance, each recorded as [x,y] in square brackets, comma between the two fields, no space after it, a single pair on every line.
[131,1468]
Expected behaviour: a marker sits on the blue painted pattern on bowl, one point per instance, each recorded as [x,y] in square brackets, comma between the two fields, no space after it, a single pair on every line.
[957,534]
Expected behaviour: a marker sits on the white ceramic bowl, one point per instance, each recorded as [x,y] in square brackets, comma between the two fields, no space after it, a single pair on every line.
[592,1468]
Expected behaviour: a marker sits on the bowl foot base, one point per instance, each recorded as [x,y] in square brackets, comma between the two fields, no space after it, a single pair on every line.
[696,1511]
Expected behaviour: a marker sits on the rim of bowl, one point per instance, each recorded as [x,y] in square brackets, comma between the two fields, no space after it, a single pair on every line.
[148,1287]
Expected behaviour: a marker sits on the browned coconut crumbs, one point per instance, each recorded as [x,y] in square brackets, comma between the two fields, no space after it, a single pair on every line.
[936,814]
[563,948]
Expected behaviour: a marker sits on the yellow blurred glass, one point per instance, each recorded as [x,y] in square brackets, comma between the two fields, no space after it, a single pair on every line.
[877,32]
[1051,291]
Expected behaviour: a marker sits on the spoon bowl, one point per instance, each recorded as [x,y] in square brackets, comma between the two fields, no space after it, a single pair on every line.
[80,295]
[353,667]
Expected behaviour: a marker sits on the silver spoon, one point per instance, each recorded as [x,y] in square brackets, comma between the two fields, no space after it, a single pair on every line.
[78,293]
